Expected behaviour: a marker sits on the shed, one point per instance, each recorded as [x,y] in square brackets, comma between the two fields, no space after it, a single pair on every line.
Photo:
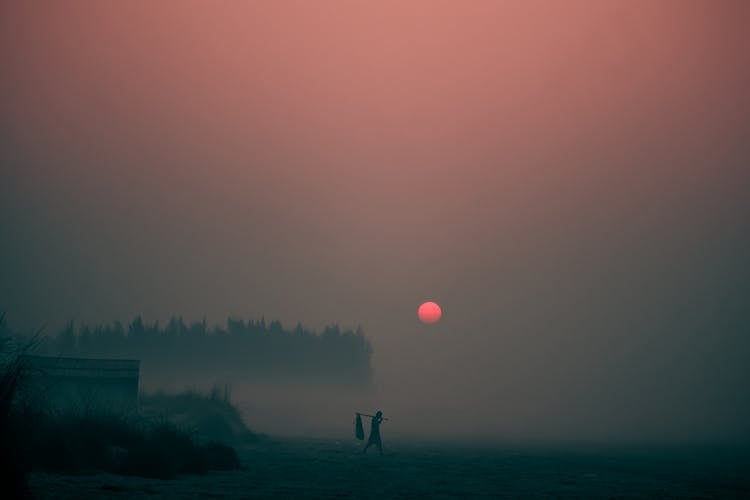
[82,384]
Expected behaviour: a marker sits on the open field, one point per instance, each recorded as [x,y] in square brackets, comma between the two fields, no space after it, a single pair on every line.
[300,468]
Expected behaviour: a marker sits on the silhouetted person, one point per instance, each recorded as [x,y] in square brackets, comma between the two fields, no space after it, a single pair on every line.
[375,433]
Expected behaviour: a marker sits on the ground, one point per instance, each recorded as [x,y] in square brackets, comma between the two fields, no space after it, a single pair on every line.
[307,468]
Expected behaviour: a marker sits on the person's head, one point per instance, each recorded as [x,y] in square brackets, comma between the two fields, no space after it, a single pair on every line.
[379,414]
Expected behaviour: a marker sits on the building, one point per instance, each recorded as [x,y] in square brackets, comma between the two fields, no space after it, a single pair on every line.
[81,384]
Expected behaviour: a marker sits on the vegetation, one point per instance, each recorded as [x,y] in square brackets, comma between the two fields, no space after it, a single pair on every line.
[174,434]
[12,470]
[169,435]
[209,418]
[93,441]
[88,443]
[237,350]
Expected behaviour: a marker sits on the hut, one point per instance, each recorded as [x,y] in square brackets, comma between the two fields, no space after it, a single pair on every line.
[82,384]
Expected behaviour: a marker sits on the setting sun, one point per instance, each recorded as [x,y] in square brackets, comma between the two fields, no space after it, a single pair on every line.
[429,312]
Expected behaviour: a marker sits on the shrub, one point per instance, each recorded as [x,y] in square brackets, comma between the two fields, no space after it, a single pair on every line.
[168,451]
[208,417]
[88,443]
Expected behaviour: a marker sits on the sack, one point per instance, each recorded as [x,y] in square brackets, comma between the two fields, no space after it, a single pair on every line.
[359,431]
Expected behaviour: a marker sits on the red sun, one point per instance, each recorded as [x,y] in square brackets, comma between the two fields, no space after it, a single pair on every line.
[429,312]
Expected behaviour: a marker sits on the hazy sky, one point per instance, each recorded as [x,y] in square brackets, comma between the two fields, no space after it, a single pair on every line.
[569,180]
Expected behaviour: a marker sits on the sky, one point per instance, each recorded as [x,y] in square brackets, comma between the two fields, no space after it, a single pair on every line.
[568,180]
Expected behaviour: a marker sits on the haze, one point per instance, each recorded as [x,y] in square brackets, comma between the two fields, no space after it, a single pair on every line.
[569,181]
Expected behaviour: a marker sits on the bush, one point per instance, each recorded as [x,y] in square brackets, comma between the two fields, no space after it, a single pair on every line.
[75,444]
[220,456]
[210,418]
[89,443]
[168,451]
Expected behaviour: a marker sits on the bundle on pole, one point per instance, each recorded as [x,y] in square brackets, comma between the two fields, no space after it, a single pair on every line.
[359,431]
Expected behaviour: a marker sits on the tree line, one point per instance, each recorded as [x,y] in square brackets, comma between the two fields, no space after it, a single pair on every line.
[237,350]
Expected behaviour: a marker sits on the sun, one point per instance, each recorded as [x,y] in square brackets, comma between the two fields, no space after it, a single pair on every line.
[429,312]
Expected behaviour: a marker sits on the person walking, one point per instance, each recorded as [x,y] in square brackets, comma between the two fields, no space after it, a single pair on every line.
[375,433]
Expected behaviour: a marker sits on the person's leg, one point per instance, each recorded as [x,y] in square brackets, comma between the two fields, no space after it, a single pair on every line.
[380,447]
[366,446]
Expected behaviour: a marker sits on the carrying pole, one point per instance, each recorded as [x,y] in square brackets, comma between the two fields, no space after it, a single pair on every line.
[371,416]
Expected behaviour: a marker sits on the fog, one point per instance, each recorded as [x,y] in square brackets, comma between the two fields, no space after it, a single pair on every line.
[569,182]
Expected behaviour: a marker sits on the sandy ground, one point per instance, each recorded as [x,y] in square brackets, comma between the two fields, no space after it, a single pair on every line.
[299,468]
